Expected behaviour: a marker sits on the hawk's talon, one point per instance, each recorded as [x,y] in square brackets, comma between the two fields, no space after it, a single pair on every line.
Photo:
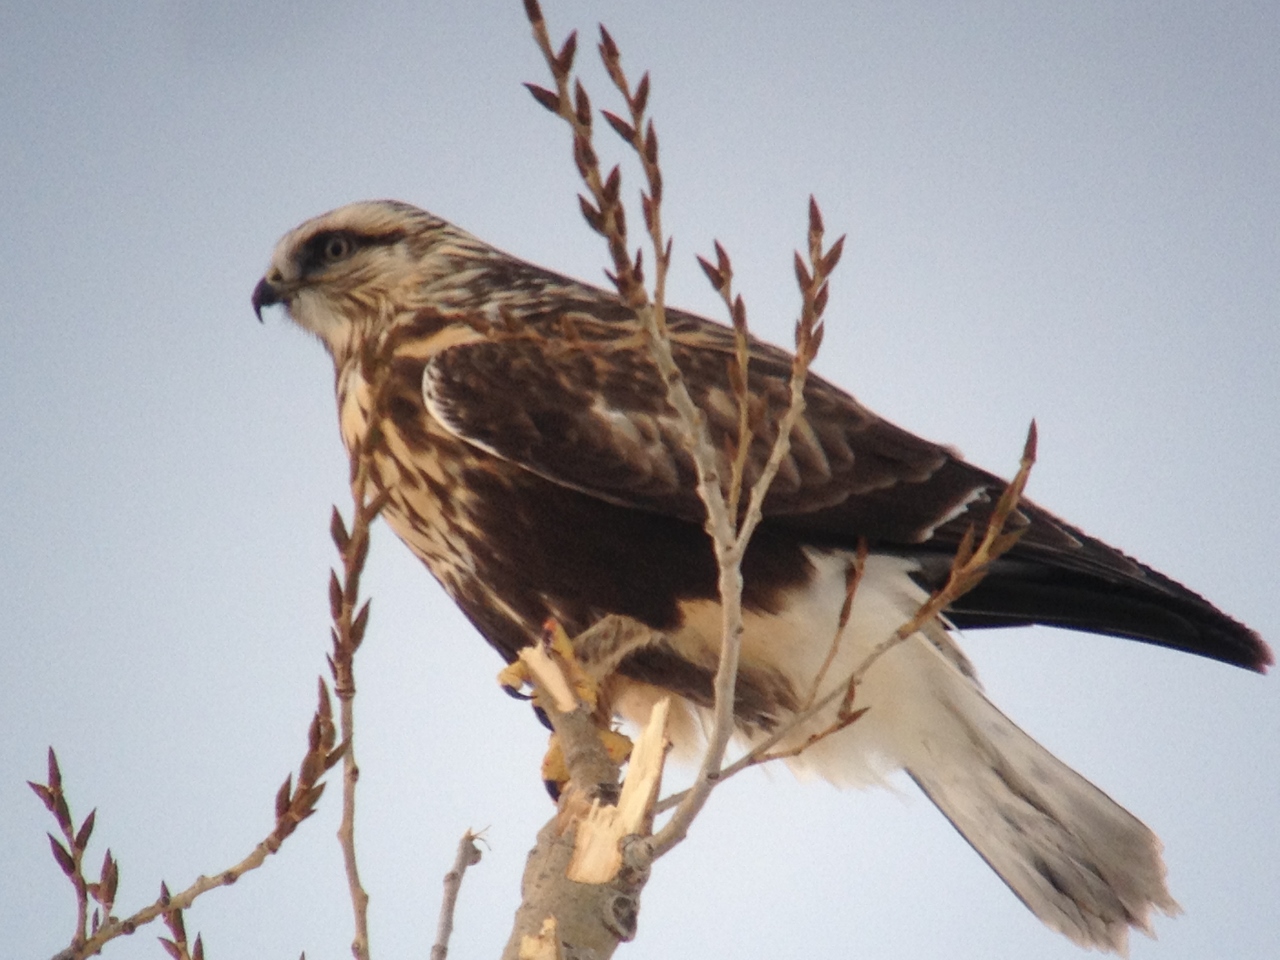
[542,717]
[513,678]
[555,772]
[560,646]
[617,745]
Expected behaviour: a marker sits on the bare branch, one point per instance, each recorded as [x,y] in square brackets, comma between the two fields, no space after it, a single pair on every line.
[729,535]
[468,855]
[597,853]
[294,804]
[808,339]
[853,577]
[349,622]
[591,917]
[968,568]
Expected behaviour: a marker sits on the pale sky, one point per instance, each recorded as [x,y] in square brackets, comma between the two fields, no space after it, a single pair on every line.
[1066,211]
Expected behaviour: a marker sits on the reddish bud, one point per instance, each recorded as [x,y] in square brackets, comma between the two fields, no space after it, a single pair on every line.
[832,257]
[65,862]
[564,59]
[650,143]
[820,301]
[55,775]
[323,707]
[312,767]
[108,880]
[177,925]
[548,98]
[608,49]
[82,835]
[335,596]
[717,280]
[641,98]
[359,624]
[613,185]
[722,260]
[582,104]
[815,217]
[1033,441]
[625,130]
[43,792]
[338,531]
[802,275]
[61,812]
[282,796]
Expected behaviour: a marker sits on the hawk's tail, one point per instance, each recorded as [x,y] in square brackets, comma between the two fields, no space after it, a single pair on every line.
[1081,862]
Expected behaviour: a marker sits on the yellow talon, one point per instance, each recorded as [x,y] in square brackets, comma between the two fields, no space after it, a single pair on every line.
[561,648]
[513,677]
[617,745]
[555,772]
[554,769]
[574,683]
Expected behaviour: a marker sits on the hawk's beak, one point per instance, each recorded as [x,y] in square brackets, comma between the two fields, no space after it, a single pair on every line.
[265,294]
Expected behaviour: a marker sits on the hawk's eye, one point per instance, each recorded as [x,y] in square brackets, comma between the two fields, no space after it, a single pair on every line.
[337,247]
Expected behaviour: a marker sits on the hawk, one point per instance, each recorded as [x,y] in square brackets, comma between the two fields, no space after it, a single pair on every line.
[531,460]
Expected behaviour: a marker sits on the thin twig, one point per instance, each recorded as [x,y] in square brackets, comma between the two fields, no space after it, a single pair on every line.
[968,568]
[853,577]
[178,948]
[468,855]
[808,338]
[604,213]
[294,803]
[347,634]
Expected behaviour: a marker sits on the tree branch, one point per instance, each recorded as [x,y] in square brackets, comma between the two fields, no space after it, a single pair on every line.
[589,919]
[347,634]
[294,803]
[468,855]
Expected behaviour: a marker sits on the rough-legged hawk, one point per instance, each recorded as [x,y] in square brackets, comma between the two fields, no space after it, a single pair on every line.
[533,464]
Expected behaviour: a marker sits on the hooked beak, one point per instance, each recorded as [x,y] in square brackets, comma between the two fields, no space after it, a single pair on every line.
[265,294]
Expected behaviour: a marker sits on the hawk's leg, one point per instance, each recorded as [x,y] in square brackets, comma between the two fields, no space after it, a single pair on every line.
[587,662]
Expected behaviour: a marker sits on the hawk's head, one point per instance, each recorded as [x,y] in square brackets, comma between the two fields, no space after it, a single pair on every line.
[343,273]
[350,273]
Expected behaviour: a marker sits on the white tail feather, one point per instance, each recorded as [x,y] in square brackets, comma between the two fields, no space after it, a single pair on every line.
[1081,862]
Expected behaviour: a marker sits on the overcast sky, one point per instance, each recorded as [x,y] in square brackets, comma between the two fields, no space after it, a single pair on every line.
[1066,211]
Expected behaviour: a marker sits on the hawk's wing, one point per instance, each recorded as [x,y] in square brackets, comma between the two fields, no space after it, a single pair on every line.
[579,401]
[575,398]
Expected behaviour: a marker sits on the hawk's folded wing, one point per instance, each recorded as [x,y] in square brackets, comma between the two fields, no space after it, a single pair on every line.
[577,399]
